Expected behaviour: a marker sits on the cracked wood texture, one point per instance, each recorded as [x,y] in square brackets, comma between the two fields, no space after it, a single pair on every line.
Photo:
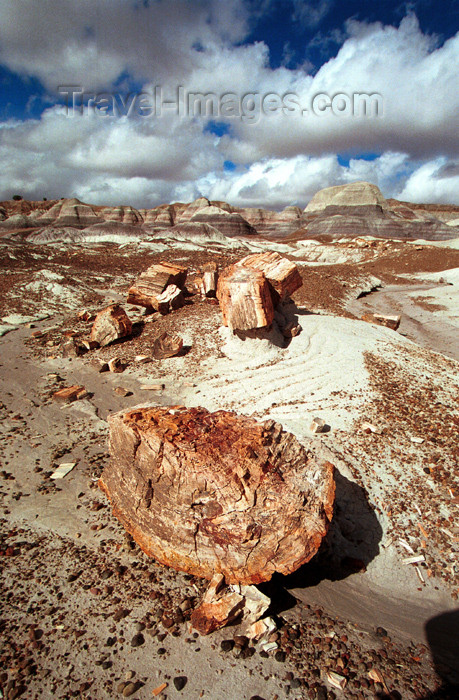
[151,283]
[283,275]
[245,298]
[110,324]
[216,492]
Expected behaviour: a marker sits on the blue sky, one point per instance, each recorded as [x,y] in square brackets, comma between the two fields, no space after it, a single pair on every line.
[260,154]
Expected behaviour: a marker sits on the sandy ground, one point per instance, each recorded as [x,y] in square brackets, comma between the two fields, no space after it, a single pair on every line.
[85,613]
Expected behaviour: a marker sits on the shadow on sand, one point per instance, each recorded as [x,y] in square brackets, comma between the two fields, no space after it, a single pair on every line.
[442,633]
[351,544]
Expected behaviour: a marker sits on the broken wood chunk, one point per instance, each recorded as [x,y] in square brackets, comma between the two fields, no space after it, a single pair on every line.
[317,425]
[217,493]
[62,470]
[221,605]
[167,345]
[245,299]
[72,348]
[90,344]
[142,359]
[171,298]
[110,324]
[392,322]
[336,680]
[209,279]
[152,282]
[291,330]
[283,275]
[115,365]
[70,393]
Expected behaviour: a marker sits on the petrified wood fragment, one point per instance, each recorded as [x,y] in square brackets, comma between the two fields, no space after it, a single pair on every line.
[110,324]
[210,279]
[152,282]
[392,322]
[171,298]
[245,299]
[214,493]
[282,274]
[167,345]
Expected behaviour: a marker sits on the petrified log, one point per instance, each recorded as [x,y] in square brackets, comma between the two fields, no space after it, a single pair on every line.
[282,274]
[392,322]
[210,279]
[214,493]
[166,345]
[152,282]
[110,324]
[70,393]
[245,299]
[171,298]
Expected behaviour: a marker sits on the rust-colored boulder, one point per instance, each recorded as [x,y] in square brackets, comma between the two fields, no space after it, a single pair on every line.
[152,282]
[245,298]
[282,274]
[110,324]
[214,493]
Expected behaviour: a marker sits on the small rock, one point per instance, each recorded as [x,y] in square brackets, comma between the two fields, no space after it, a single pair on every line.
[137,640]
[121,391]
[180,682]
[129,689]
[317,425]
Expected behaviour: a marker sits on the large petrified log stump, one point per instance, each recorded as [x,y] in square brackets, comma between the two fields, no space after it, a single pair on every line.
[216,492]
[283,275]
[245,299]
[152,282]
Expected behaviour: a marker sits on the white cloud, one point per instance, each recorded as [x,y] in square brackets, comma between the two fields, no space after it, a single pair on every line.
[66,43]
[280,159]
[419,85]
[435,181]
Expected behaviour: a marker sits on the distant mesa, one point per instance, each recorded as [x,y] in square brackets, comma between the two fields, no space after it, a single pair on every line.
[355,194]
[344,211]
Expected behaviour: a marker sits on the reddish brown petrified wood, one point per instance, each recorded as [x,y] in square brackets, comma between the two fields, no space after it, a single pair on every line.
[216,492]
[245,298]
[151,283]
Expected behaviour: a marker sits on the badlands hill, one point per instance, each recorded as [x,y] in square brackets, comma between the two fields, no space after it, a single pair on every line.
[356,209]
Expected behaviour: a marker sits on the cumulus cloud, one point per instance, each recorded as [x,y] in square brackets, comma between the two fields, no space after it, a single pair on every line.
[435,181]
[63,43]
[418,82]
[279,158]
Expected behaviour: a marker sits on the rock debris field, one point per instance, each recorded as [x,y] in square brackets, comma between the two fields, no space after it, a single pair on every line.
[229,458]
